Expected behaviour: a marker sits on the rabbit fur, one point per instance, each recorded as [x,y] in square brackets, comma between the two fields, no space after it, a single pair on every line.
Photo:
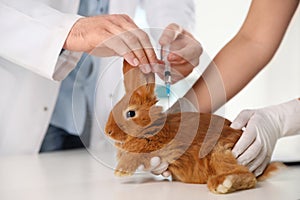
[197,146]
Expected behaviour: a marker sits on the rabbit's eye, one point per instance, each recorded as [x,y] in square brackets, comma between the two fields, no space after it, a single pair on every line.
[130,114]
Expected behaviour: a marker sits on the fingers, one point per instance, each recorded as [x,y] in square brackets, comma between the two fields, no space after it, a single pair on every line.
[262,167]
[184,49]
[251,153]
[170,33]
[147,46]
[127,40]
[250,149]
[157,167]
[138,41]
[242,119]
[110,35]
[185,59]
[154,162]
[160,169]
[122,49]
[247,138]
[166,174]
[258,160]
[143,39]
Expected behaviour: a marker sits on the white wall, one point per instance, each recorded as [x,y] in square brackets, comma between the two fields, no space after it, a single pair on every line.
[218,21]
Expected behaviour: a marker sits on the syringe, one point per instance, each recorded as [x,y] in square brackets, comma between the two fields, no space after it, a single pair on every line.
[168,78]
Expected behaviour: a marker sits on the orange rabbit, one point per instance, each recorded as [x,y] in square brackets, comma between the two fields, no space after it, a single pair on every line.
[197,146]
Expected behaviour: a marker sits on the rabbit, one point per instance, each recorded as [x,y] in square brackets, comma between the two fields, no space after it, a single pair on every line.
[196,145]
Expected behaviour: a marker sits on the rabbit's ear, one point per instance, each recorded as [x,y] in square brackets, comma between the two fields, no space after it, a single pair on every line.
[135,80]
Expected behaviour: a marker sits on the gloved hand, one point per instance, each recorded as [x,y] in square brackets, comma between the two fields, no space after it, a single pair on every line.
[262,129]
[184,54]
[157,167]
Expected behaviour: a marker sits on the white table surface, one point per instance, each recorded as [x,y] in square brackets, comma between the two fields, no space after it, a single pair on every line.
[77,175]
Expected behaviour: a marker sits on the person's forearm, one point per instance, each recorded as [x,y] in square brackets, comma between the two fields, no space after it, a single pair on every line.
[229,72]
[244,56]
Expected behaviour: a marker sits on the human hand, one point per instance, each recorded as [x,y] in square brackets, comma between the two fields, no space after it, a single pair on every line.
[111,35]
[184,54]
[157,167]
[263,128]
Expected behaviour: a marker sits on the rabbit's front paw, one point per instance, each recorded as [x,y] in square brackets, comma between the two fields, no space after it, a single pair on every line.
[124,168]
[127,166]
[122,172]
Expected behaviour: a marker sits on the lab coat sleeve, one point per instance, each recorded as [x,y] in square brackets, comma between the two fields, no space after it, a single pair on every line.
[161,13]
[32,36]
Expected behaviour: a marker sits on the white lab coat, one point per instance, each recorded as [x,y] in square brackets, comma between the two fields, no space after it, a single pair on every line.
[30,61]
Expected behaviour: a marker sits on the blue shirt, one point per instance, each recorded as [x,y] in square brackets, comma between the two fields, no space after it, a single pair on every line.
[76,93]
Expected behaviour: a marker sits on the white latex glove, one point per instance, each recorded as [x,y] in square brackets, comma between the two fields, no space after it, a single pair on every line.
[157,167]
[262,129]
